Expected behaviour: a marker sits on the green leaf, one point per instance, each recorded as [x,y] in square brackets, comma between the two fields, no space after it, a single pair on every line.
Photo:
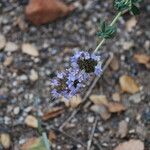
[137,1]
[108,32]
[38,145]
[135,10]
[103,26]
[121,5]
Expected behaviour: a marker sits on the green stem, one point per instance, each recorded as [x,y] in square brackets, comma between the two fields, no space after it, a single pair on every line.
[112,23]
[46,141]
[99,45]
[40,129]
[116,18]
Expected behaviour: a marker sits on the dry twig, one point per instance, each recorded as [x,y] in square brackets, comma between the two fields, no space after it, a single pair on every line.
[92,134]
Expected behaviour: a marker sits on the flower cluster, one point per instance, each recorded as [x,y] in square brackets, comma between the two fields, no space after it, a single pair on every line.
[89,63]
[70,82]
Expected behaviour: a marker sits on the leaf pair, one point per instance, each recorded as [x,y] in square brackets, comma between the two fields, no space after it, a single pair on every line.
[107,31]
[122,5]
[135,10]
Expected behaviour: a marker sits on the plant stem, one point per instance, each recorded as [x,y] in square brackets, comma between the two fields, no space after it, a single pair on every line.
[40,129]
[112,23]
[116,18]
[99,45]
[46,141]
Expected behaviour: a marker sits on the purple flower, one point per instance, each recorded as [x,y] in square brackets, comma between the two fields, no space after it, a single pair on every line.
[90,63]
[98,70]
[68,83]
[59,84]
[73,80]
[76,80]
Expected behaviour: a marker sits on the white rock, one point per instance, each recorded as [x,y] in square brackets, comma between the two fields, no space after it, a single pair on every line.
[116,97]
[147,44]
[102,110]
[91,119]
[30,49]
[31,121]
[101,129]
[33,75]
[8,61]
[11,47]
[128,45]
[136,98]
[123,129]
[22,78]
[7,120]
[130,24]
[22,141]
[2,41]
[16,110]
[5,140]
[28,109]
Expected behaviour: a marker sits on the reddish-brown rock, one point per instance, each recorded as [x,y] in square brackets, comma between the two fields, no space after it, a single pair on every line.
[44,11]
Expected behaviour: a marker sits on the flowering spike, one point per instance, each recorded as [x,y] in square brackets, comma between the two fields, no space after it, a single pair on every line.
[85,64]
[85,61]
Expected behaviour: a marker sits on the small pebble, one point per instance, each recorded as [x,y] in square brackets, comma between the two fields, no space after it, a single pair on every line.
[116,97]
[128,45]
[7,120]
[5,140]
[16,110]
[91,119]
[28,109]
[123,129]
[136,98]
[11,47]
[101,129]
[8,61]
[33,75]
[31,121]
[30,49]
[2,41]
[23,78]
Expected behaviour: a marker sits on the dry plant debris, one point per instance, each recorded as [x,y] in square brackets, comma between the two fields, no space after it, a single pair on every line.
[128,84]
[52,113]
[115,107]
[142,58]
[74,102]
[52,136]
[44,11]
[99,99]
[131,145]
[34,144]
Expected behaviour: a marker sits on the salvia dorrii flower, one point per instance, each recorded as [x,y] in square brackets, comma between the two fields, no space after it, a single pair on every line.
[72,81]
[68,83]
[85,64]
[90,63]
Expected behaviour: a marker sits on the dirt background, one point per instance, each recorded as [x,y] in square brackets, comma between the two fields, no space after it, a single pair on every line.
[56,42]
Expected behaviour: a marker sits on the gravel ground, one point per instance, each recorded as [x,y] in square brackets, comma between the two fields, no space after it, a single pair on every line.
[23,78]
